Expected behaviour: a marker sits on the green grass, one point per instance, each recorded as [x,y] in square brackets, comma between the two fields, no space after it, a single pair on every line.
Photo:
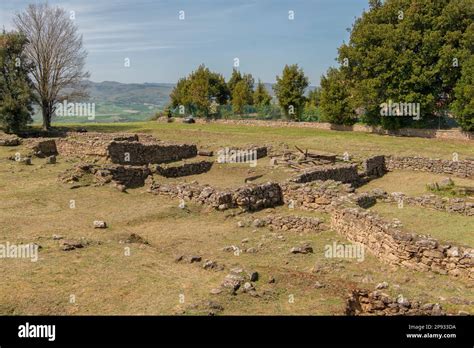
[443,226]
[34,205]
[355,143]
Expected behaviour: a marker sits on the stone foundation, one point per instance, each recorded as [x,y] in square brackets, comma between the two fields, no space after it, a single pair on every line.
[129,176]
[316,195]
[386,241]
[363,302]
[374,166]
[249,197]
[137,153]
[463,169]
[345,173]
[43,147]
[292,223]
[449,205]
[184,169]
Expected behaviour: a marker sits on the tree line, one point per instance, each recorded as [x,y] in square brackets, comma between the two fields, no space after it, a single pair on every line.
[202,89]
[409,51]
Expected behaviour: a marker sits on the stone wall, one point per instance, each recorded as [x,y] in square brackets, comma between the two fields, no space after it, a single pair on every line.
[463,169]
[292,223]
[249,197]
[430,201]
[9,140]
[141,154]
[406,132]
[346,173]
[364,302]
[316,195]
[256,197]
[175,171]
[386,241]
[374,166]
[42,147]
[129,176]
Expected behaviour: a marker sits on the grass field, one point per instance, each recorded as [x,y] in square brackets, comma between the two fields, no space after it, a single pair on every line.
[104,280]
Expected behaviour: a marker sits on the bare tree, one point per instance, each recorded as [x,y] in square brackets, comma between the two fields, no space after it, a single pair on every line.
[55,48]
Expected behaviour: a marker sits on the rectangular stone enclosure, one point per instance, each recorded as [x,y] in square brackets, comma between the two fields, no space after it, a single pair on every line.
[136,153]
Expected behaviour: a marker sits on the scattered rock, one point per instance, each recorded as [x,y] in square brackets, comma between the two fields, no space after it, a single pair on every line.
[383,285]
[318,285]
[68,245]
[304,249]
[100,224]
[188,258]
[51,159]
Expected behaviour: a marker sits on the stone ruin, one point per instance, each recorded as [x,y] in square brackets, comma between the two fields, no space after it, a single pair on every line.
[388,242]
[249,197]
[365,302]
[137,153]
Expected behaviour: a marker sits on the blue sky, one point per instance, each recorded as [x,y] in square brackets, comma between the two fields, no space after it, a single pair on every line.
[162,48]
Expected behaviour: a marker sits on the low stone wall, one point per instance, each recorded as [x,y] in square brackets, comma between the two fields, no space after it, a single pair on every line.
[249,197]
[42,147]
[450,205]
[374,166]
[137,153]
[316,195]
[386,241]
[129,176]
[345,173]
[364,302]
[463,169]
[292,223]
[9,139]
[184,169]
[404,132]
[256,197]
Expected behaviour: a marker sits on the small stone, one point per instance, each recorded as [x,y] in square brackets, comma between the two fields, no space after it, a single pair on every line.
[240,224]
[51,159]
[258,223]
[245,240]
[26,161]
[271,280]
[253,276]
[248,287]
[57,237]
[383,285]
[318,285]
[305,249]
[100,224]
[216,291]
[251,250]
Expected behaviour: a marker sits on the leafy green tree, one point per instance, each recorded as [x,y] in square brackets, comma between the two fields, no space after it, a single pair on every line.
[236,77]
[408,51]
[241,96]
[290,91]
[463,106]
[16,93]
[197,91]
[261,97]
[335,99]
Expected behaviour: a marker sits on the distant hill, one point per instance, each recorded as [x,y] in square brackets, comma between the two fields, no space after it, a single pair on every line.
[122,102]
